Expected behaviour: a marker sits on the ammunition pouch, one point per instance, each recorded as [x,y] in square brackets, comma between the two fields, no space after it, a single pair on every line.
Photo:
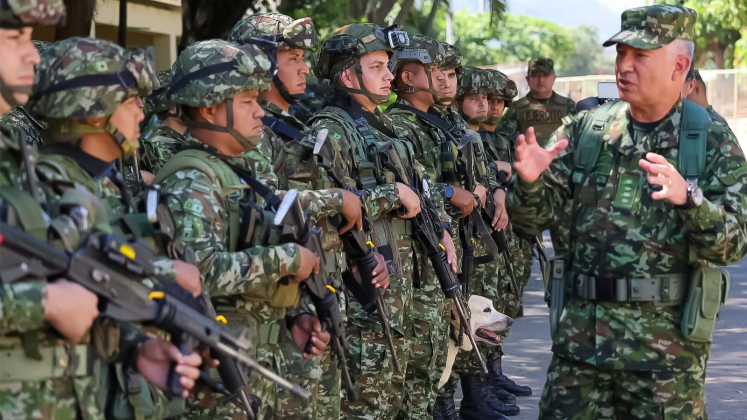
[286,294]
[555,291]
[55,362]
[708,288]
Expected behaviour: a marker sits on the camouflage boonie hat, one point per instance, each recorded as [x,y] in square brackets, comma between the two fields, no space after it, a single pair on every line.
[159,101]
[291,34]
[545,65]
[81,78]
[501,87]
[423,49]
[41,46]
[473,80]
[346,45]
[653,27]
[209,72]
[452,58]
[19,13]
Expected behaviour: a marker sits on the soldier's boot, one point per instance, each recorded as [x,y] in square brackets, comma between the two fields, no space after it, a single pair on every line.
[493,359]
[499,381]
[474,405]
[444,408]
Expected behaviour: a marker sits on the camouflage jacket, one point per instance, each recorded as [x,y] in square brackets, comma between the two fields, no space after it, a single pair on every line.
[18,124]
[614,237]
[157,145]
[272,142]
[716,116]
[381,202]
[543,115]
[249,276]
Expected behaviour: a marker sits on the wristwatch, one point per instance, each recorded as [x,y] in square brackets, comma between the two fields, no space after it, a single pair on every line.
[694,196]
[449,190]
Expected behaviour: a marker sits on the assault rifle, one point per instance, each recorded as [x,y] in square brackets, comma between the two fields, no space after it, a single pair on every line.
[114,270]
[361,253]
[294,228]
[428,230]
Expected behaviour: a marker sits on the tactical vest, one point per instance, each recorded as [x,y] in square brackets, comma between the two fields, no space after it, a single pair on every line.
[231,191]
[544,117]
[364,145]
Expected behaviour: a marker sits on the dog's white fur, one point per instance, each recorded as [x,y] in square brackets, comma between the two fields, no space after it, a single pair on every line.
[483,316]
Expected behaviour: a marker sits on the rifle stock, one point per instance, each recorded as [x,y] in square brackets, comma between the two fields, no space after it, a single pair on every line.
[114,270]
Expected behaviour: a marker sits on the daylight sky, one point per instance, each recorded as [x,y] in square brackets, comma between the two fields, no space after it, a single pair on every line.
[604,14]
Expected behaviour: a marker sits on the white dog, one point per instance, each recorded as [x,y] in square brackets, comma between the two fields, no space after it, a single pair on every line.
[486,323]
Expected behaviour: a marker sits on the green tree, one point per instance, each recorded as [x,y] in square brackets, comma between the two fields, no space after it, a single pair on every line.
[586,57]
[720,32]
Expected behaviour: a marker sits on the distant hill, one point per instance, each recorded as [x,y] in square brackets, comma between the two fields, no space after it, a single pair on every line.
[571,13]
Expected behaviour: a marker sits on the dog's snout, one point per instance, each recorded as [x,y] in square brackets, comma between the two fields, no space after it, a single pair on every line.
[509,321]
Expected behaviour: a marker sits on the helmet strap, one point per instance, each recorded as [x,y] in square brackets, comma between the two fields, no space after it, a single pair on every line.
[8,91]
[377,99]
[291,99]
[243,141]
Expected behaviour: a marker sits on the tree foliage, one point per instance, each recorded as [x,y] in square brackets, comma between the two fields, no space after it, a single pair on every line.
[720,32]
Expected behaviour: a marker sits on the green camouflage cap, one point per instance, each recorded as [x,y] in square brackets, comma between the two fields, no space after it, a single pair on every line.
[501,87]
[346,45]
[545,65]
[653,27]
[473,80]
[81,78]
[452,57]
[423,49]
[291,34]
[19,13]
[159,101]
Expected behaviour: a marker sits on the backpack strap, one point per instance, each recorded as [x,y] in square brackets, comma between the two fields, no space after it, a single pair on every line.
[229,182]
[693,136]
[589,145]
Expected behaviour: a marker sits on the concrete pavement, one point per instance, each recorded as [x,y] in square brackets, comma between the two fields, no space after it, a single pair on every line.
[528,350]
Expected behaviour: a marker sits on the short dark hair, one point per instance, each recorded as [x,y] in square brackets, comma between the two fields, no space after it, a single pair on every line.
[690,73]
[698,77]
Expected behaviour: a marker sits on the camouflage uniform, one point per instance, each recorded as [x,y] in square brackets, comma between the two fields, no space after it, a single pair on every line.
[431,309]
[87,387]
[320,376]
[630,359]
[241,281]
[350,134]
[545,116]
[159,142]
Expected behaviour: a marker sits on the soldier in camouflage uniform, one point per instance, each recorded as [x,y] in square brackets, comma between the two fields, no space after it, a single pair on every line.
[83,388]
[354,58]
[163,134]
[542,109]
[241,270]
[18,123]
[619,353]
[283,142]
[699,95]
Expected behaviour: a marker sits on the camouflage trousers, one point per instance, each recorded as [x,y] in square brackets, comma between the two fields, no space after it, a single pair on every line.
[304,372]
[427,363]
[61,398]
[579,391]
[380,389]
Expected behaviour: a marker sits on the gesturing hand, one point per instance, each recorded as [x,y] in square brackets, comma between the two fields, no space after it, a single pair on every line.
[531,158]
[661,172]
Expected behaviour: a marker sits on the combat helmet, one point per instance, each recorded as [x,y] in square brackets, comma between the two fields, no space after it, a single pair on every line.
[472,81]
[288,33]
[158,102]
[82,78]
[345,47]
[15,14]
[424,50]
[452,60]
[208,73]
[501,87]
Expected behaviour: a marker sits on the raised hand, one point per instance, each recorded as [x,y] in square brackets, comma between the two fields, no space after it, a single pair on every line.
[533,159]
